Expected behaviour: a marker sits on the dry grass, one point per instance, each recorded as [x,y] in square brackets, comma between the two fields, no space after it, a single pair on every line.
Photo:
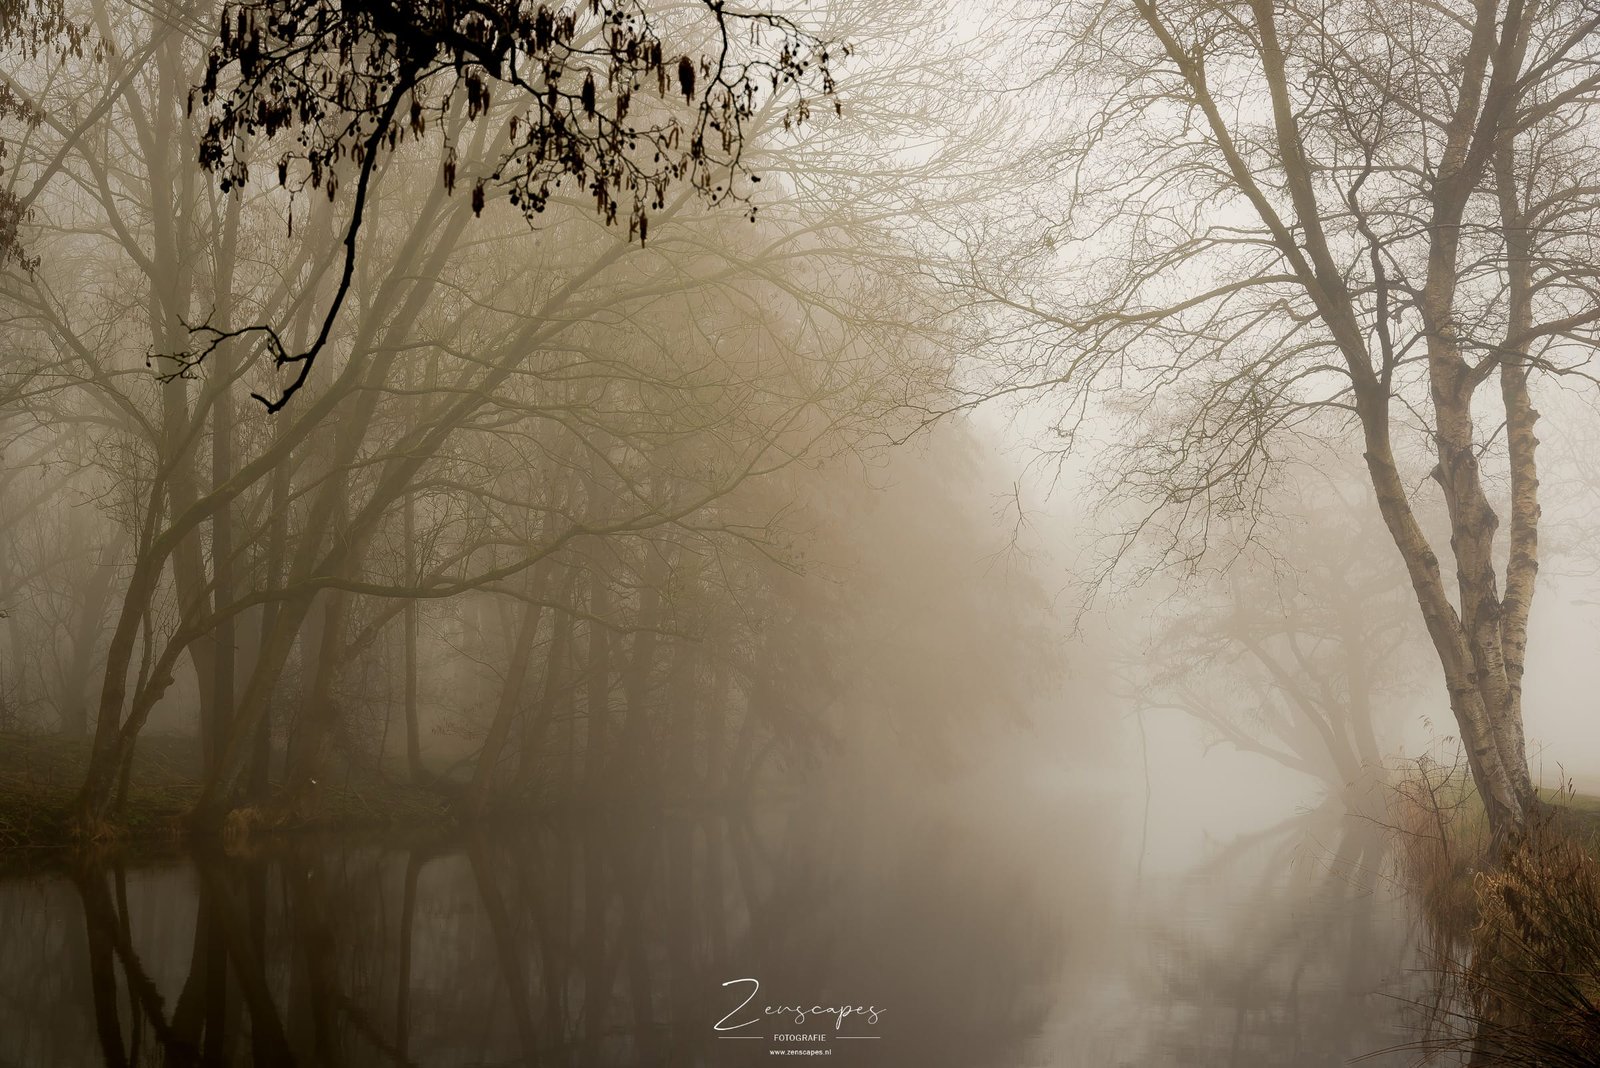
[1534,979]
[1518,934]
[1441,838]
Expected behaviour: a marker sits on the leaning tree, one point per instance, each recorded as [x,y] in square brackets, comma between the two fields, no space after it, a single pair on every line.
[1289,217]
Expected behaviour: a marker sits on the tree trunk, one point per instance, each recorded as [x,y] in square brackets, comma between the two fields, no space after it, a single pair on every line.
[412,613]
[97,595]
[216,794]
[634,744]
[511,696]
[555,700]
[318,708]
[1449,636]
[260,781]
[681,710]
[598,687]
[220,383]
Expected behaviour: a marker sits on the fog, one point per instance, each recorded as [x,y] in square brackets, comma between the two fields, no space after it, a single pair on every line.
[1019,521]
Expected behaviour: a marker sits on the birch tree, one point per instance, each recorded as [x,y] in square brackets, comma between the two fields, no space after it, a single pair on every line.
[1290,218]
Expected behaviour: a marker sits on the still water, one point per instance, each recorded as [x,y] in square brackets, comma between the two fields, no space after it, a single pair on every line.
[947,931]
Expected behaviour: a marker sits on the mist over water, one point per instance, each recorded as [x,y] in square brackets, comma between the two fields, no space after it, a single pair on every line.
[989,925]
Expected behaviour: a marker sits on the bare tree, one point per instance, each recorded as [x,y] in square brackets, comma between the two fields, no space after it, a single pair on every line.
[1295,218]
[530,465]
[1299,651]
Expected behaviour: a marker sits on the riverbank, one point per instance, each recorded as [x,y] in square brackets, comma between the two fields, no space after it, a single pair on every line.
[1442,841]
[40,775]
[1516,936]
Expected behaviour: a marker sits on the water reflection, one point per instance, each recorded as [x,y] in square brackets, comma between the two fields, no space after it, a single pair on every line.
[1289,947]
[599,943]
[983,941]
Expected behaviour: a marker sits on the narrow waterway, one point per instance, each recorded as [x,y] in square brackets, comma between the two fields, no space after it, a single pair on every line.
[956,930]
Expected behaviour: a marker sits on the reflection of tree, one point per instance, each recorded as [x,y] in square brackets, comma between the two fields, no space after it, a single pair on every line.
[1300,970]
[115,970]
[582,943]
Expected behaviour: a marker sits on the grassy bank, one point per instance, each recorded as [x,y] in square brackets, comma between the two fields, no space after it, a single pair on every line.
[39,776]
[1443,839]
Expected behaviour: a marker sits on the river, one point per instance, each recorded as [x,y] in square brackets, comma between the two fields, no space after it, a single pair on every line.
[949,929]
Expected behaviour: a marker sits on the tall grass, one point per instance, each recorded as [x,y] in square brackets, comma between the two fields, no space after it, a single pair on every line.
[1516,935]
[1441,837]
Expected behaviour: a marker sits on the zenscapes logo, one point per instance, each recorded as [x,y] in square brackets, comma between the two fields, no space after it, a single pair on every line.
[813,1025]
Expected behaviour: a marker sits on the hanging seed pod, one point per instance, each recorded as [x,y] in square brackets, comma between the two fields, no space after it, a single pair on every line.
[686,77]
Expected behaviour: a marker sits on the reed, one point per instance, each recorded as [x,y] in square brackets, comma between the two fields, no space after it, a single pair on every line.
[1517,933]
